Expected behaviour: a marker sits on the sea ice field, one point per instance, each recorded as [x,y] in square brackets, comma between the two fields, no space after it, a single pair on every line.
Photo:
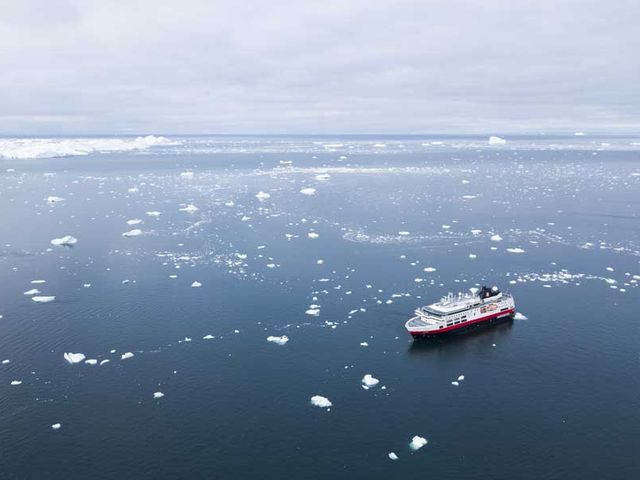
[234,307]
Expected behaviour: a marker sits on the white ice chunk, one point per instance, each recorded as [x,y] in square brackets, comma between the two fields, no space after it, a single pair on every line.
[515,250]
[208,337]
[56,426]
[320,401]
[154,213]
[460,378]
[134,221]
[262,196]
[54,199]
[519,316]
[16,382]
[91,361]
[126,355]
[65,241]
[33,291]
[43,299]
[455,384]
[369,381]
[393,456]
[313,235]
[196,285]
[189,209]
[74,357]
[417,443]
[496,238]
[493,140]
[279,340]
[158,395]
[308,191]
[132,233]
[313,311]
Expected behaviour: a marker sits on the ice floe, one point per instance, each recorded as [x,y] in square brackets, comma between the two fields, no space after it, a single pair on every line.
[515,250]
[33,291]
[196,285]
[158,394]
[189,209]
[519,316]
[16,382]
[262,196]
[43,299]
[496,238]
[313,235]
[126,355]
[132,233]
[66,241]
[154,213]
[308,191]
[74,357]
[369,381]
[56,426]
[393,456]
[278,340]
[91,361]
[54,199]
[134,221]
[320,401]
[493,140]
[417,443]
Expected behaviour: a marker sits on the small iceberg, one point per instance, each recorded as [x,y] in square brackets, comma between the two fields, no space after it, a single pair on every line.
[154,213]
[313,235]
[496,238]
[196,285]
[91,361]
[455,384]
[126,355]
[417,443]
[33,291]
[158,394]
[278,340]
[16,382]
[132,233]
[320,401]
[460,378]
[262,196]
[134,221]
[313,311]
[393,456]
[519,316]
[308,191]
[189,209]
[54,199]
[369,381]
[43,299]
[493,140]
[74,357]
[56,426]
[66,241]
[515,250]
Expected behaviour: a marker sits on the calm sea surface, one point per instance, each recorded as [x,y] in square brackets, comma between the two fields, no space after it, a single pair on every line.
[337,268]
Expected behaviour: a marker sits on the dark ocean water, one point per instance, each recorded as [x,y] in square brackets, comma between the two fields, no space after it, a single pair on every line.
[553,396]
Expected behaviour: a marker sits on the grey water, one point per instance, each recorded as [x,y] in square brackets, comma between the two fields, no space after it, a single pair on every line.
[554,396]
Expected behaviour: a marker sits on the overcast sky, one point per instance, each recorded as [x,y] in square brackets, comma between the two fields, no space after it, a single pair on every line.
[396,66]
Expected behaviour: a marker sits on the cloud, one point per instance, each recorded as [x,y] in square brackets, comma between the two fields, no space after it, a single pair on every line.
[318,67]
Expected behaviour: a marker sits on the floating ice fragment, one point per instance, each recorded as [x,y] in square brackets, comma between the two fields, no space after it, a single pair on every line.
[323,177]
[320,401]
[455,384]
[417,443]
[460,378]
[404,233]
[279,340]
[126,355]
[429,269]
[132,233]
[393,456]
[189,208]
[106,360]
[38,281]
[43,299]
[262,196]
[496,238]
[66,241]
[308,191]
[313,235]
[158,395]
[56,426]
[186,174]
[515,250]
[313,311]
[33,291]
[134,221]
[369,381]
[493,140]
[91,361]
[208,337]
[364,344]
[16,382]
[54,199]
[74,357]
[519,316]
[473,255]
[4,362]
[154,213]
[196,285]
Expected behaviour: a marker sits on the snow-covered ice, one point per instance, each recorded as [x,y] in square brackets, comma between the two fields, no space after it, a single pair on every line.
[189,208]
[43,299]
[262,196]
[393,456]
[66,241]
[369,381]
[308,191]
[196,284]
[493,140]
[158,394]
[56,426]
[126,355]
[320,401]
[417,443]
[33,291]
[279,340]
[515,250]
[74,357]
[519,316]
[132,233]
[496,238]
